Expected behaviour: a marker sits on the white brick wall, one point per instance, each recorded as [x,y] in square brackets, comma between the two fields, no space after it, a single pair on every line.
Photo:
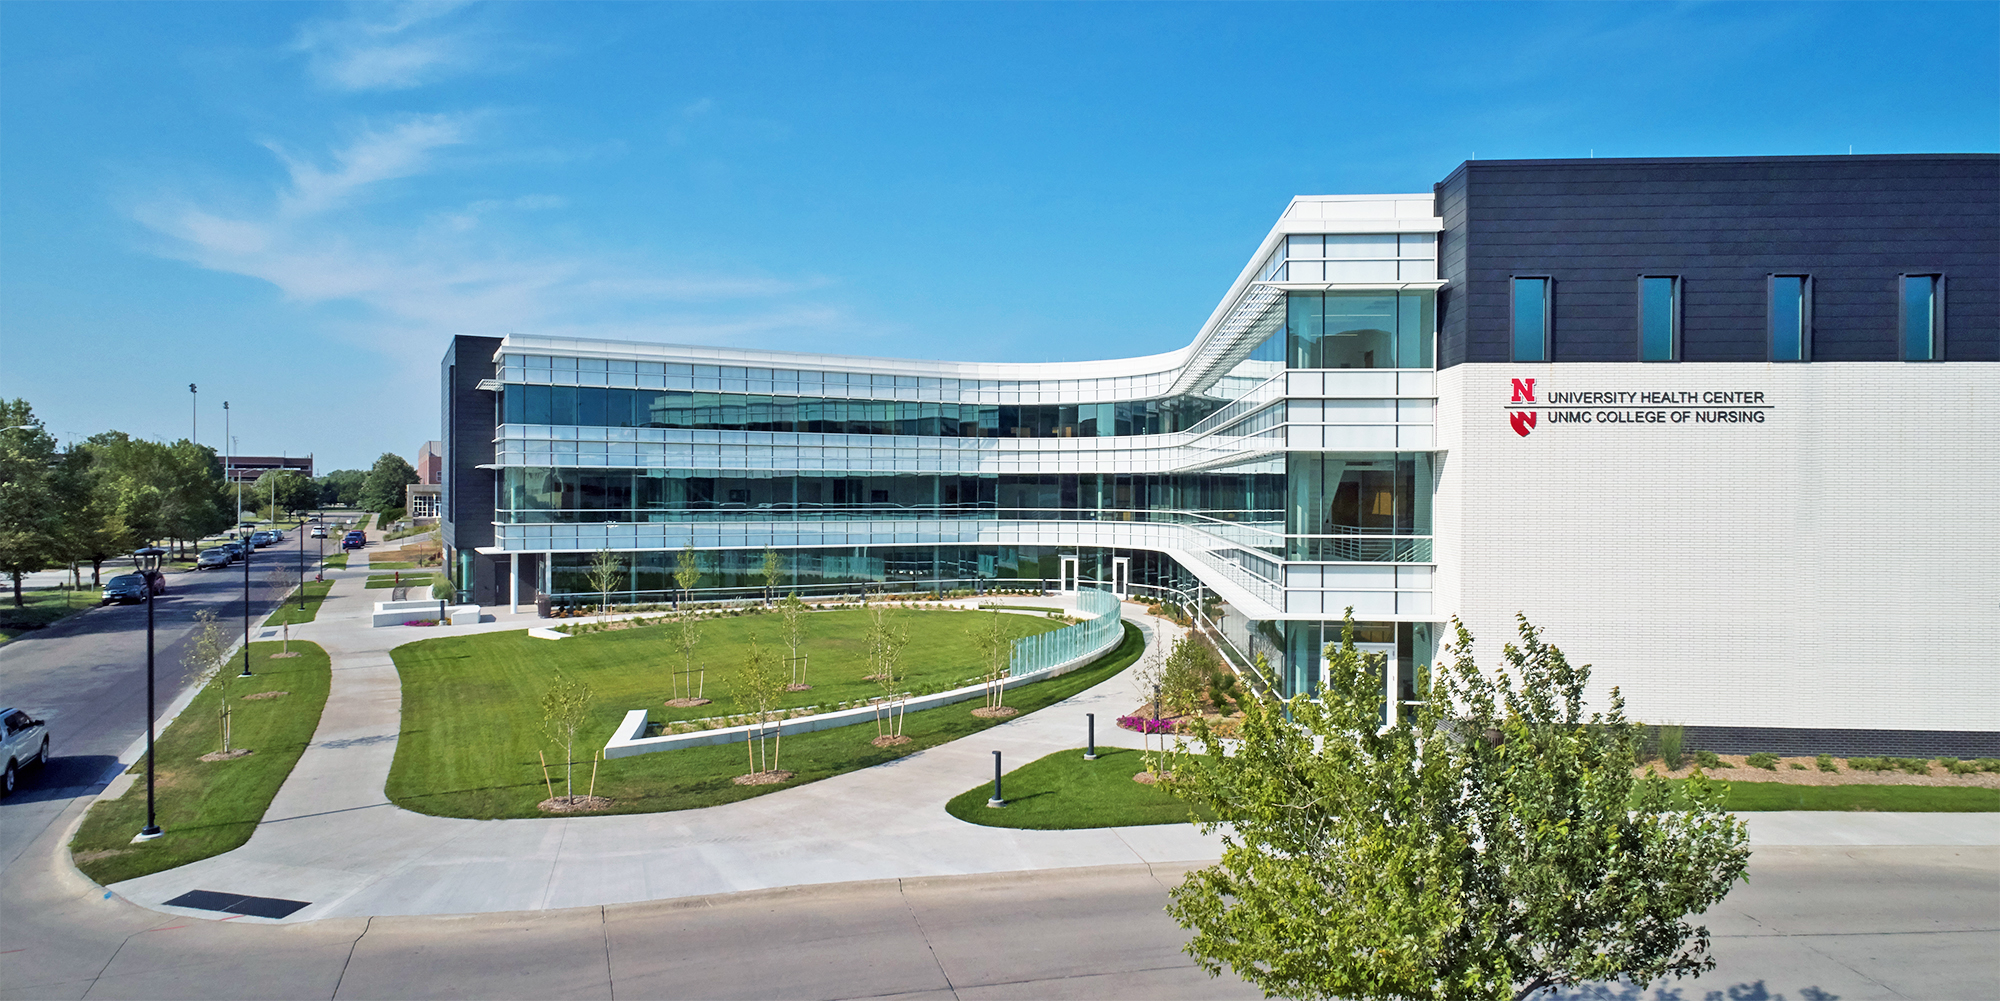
[1835,566]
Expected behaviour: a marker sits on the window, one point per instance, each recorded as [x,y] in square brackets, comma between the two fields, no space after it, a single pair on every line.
[1659,318]
[1531,319]
[1922,318]
[1791,317]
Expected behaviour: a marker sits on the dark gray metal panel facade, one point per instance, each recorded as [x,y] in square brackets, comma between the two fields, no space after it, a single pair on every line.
[467,418]
[1855,223]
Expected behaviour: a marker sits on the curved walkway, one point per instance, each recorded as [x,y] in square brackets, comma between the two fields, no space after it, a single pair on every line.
[331,837]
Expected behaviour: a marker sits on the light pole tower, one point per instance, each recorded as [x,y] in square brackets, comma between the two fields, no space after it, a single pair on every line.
[194,414]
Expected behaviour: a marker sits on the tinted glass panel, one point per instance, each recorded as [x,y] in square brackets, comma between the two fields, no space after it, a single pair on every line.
[1531,313]
[1656,319]
[1919,317]
[1788,318]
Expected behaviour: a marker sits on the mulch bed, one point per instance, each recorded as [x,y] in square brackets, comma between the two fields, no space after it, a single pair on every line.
[254,696]
[687,703]
[995,712]
[1734,769]
[798,688]
[890,740]
[227,755]
[282,656]
[1148,778]
[763,778]
[574,804]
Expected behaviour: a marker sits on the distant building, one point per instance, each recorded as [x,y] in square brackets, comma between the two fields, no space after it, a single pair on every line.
[246,468]
[430,463]
[421,501]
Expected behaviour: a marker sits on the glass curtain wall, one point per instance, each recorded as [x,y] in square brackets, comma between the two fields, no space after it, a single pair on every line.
[1415,650]
[1360,329]
[1358,506]
[888,568]
[596,406]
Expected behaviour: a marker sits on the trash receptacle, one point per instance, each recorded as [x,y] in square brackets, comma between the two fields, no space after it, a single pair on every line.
[541,605]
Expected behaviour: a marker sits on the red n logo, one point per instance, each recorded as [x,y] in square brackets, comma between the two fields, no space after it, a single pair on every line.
[1524,392]
[1523,421]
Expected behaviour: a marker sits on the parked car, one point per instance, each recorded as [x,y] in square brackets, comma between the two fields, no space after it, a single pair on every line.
[354,540]
[211,559]
[319,531]
[277,535]
[261,539]
[234,549]
[26,742]
[125,589]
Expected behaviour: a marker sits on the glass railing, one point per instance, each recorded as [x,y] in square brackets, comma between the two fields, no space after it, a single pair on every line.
[1358,549]
[1093,635]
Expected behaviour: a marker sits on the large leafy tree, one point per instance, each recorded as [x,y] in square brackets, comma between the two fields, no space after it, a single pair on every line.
[287,490]
[89,525]
[341,487]
[382,489]
[28,524]
[174,492]
[1493,845]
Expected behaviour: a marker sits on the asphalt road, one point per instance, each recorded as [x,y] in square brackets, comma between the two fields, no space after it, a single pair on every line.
[1812,924]
[86,675]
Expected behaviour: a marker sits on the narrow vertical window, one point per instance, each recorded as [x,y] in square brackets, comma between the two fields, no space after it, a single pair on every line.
[1531,319]
[1791,318]
[1659,318]
[1922,334]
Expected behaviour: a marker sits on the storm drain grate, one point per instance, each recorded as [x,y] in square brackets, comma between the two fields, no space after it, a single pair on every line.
[237,903]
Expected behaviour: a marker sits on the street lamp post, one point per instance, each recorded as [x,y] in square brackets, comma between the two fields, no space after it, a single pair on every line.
[302,561]
[141,558]
[249,548]
[194,414]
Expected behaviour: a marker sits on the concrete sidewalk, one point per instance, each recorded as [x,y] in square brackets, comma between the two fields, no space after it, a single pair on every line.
[332,838]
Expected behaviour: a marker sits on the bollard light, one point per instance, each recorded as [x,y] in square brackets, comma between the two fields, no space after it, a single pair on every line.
[1090,729]
[996,800]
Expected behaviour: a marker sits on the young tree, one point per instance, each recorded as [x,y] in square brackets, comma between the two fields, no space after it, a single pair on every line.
[565,710]
[887,636]
[996,653]
[205,658]
[382,489]
[607,569]
[773,568]
[688,638]
[687,573]
[28,523]
[794,611]
[759,687]
[1489,846]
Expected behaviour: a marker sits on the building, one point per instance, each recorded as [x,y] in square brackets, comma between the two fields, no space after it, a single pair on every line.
[246,468]
[422,501]
[1721,427]
[430,462]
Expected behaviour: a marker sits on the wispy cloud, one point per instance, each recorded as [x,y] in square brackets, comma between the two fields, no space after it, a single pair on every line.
[338,231]
[393,46]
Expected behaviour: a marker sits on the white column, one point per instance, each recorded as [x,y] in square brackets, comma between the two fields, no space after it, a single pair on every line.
[513,582]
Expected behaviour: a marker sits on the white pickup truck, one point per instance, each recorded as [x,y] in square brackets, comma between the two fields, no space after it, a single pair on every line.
[26,741]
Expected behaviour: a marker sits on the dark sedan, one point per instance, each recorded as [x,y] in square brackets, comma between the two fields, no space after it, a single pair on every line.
[126,589]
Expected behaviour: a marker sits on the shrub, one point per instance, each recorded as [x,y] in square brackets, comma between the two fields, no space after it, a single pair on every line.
[1987,764]
[1707,759]
[1826,763]
[1670,747]
[1867,765]
[1763,759]
[1914,766]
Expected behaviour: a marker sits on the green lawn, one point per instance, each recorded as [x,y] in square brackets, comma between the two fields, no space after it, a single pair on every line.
[289,611]
[471,716]
[41,607]
[1063,792]
[337,561]
[419,578]
[1757,796]
[207,808]
[391,565]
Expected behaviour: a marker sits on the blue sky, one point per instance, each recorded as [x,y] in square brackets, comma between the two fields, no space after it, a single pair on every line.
[294,205]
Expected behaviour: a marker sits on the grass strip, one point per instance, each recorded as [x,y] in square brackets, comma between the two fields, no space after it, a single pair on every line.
[424,580]
[1063,792]
[207,808]
[390,565]
[470,737]
[1750,797]
[289,613]
[40,608]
